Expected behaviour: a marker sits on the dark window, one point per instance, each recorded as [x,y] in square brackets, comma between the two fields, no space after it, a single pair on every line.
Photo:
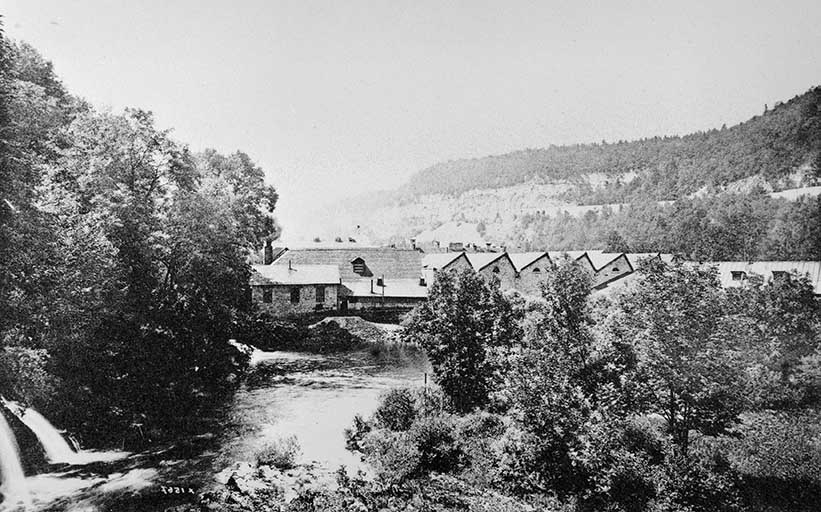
[359,266]
[537,270]
[780,275]
[267,295]
[320,294]
[295,295]
[496,270]
[738,275]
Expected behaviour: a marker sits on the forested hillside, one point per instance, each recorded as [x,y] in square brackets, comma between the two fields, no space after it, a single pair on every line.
[772,145]
[123,261]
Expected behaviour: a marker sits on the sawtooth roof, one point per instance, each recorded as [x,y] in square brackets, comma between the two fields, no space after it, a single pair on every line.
[480,260]
[522,260]
[438,261]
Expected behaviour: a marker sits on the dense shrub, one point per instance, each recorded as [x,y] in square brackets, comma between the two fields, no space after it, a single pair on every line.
[435,439]
[281,453]
[393,456]
[396,410]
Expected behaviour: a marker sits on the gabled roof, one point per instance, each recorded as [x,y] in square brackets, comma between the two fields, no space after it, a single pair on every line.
[601,259]
[573,255]
[522,260]
[438,261]
[480,260]
[296,275]
[379,261]
[396,288]
[812,269]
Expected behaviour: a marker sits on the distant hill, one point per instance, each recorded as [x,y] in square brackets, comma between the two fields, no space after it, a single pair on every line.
[743,192]
[772,145]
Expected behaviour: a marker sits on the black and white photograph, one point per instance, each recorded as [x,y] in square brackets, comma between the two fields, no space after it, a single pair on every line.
[410,256]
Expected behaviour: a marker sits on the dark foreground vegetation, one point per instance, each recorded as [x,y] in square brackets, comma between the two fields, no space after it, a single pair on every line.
[123,262]
[676,395]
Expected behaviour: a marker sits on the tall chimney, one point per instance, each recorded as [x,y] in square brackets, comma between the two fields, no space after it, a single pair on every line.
[268,256]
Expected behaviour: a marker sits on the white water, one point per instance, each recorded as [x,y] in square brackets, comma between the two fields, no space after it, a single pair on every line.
[11,470]
[56,447]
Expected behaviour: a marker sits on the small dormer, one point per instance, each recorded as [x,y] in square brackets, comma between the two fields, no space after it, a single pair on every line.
[360,268]
[738,275]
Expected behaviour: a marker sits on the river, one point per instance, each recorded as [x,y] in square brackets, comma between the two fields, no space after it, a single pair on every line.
[311,397]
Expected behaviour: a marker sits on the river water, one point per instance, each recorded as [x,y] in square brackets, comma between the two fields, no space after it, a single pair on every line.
[311,397]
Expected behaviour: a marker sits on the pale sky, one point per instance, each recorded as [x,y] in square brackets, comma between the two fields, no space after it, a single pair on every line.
[336,98]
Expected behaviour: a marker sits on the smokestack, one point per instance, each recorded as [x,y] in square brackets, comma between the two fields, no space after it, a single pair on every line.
[268,256]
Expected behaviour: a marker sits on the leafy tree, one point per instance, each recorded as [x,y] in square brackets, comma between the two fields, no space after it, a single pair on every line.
[686,354]
[463,319]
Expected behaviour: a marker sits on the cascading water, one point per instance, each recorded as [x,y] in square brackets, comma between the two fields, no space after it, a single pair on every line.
[12,477]
[56,447]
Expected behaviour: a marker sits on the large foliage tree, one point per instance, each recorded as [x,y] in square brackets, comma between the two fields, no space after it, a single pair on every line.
[463,320]
[686,353]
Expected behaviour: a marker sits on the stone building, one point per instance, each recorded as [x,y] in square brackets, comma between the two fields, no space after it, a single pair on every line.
[609,267]
[532,269]
[286,290]
[443,262]
[381,278]
[495,264]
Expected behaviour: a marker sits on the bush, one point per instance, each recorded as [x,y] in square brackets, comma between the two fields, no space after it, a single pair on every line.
[698,483]
[357,432]
[282,453]
[435,439]
[396,410]
[394,457]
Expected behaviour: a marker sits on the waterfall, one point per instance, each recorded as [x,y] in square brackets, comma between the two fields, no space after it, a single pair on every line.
[12,477]
[56,447]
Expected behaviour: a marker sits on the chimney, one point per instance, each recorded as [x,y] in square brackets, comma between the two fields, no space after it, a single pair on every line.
[413,243]
[268,256]
[380,281]
[371,285]
[289,265]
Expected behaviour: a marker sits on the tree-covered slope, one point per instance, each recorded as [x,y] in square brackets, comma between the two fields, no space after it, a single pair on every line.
[772,145]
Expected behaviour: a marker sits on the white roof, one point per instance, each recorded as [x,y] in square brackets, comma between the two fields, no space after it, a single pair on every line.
[392,288]
[437,261]
[480,260]
[600,259]
[295,275]
[523,259]
[812,269]
[559,255]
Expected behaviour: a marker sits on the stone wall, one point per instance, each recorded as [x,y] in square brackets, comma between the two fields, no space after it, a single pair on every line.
[281,304]
[530,282]
[506,274]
